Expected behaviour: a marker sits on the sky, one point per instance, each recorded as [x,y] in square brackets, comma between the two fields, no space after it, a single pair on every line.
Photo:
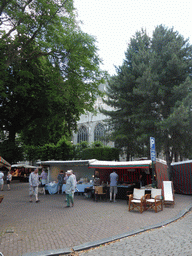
[114,22]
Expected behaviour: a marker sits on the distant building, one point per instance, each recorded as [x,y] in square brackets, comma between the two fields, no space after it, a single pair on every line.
[91,127]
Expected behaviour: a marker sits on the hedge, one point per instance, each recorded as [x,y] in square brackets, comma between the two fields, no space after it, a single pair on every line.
[101,153]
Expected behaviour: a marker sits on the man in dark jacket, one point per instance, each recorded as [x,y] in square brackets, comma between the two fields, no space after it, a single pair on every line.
[60,178]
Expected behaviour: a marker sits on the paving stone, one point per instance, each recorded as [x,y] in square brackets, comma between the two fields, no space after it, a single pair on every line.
[173,239]
[49,226]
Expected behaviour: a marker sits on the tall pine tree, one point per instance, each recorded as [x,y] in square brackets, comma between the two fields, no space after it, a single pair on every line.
[152,92]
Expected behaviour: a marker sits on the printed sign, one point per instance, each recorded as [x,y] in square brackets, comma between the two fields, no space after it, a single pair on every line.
[152,149]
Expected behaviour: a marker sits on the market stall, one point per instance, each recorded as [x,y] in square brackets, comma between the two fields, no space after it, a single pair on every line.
[84,175]
[51,187]
[182,177]
[161,172]
[22,171]
[4,164]
[129,173]
[80,188]
[4,167]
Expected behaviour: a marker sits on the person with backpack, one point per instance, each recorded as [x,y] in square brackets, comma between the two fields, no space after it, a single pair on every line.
[60,178]
[9,179]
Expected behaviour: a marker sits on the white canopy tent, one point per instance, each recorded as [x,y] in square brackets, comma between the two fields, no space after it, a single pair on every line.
[120,165]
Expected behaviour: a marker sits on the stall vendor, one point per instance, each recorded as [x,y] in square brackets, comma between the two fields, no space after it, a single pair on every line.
[143,179]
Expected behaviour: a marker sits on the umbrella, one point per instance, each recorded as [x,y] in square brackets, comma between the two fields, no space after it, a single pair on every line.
[4,163]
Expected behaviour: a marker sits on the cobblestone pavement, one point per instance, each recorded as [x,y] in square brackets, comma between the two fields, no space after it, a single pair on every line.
[172,240]
[30,227]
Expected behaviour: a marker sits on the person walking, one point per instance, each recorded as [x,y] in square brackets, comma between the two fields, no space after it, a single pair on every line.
[66,177]
[43,177]
[60,178]
[9,179]
[1,180]
[70,188]
[65,180]
[113,185]
[33,185]
[75,181]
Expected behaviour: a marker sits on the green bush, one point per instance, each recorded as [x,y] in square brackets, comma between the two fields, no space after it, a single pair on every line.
[101,153]
[62,151]
[11,152]
[97,144]
[31,152]
[47,152]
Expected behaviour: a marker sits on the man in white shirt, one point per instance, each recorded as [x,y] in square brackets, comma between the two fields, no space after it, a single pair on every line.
[1,180]
[33,185]
[113,185]
[70,188]
[75,181]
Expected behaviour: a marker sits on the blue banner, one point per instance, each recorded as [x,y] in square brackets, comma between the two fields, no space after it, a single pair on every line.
[152,149]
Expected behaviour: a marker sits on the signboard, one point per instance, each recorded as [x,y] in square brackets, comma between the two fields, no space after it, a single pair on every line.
[152,149]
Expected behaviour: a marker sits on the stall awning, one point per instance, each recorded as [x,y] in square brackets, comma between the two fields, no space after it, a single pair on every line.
[67,163]
[120,165]
[4,163]
[183,162]
[24,166]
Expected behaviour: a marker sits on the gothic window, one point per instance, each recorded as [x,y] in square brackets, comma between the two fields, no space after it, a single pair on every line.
[82,134]
[99,133]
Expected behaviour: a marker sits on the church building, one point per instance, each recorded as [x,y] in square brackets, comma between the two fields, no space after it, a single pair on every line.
[91,126]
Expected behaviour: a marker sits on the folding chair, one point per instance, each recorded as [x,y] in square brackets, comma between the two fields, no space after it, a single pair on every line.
[154,201]
[99,193]
[168,193]
[137,200]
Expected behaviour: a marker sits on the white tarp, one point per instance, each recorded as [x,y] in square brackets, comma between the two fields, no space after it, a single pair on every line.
[120,165]
[24,166]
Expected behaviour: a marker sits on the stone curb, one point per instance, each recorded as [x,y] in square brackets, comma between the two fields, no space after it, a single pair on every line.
[113,238]
[97,243]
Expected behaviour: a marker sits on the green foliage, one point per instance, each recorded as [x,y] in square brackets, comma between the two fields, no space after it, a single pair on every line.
[47,152]
[49,71]
[94,151]
[151,95]
[83,145]
[78,148]
[97,144]
[101,153]
[11,152]
[32,153]
[63,150]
